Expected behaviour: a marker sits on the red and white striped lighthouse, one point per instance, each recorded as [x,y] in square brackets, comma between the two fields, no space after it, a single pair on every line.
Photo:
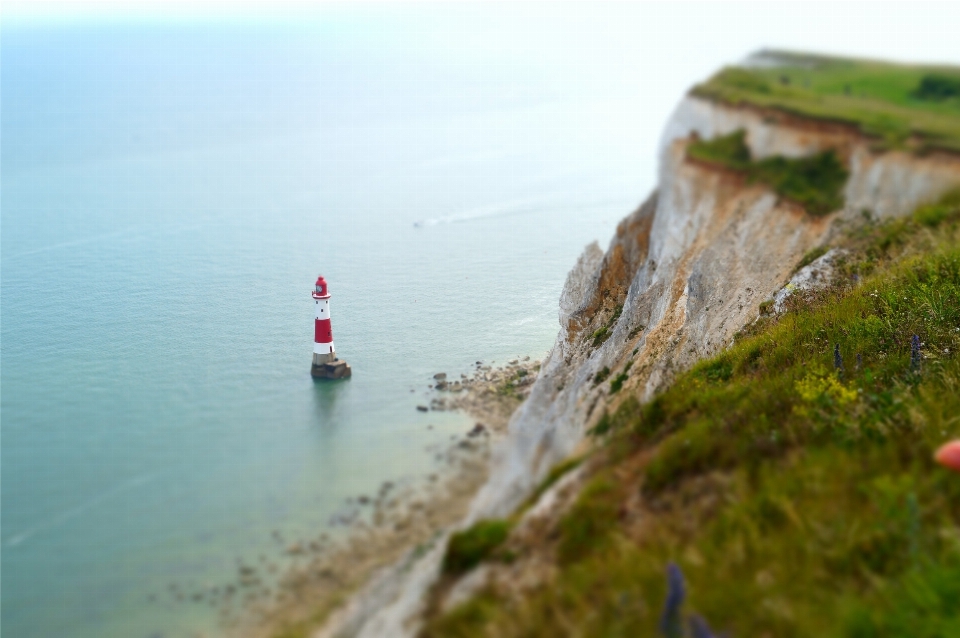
[326,365]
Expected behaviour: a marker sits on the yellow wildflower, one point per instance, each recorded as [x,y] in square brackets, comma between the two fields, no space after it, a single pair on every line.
[818,385]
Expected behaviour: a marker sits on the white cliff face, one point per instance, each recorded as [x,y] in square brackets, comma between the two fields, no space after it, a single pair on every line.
[687,270]
[541,433]
[816,274]
[713,249]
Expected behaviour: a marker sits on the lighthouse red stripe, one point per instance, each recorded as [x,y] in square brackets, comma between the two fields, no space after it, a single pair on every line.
[323,333]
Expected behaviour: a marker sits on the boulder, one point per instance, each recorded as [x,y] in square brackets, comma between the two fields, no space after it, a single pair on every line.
[477,430]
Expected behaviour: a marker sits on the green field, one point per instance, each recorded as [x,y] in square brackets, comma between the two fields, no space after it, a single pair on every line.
[791,477]
[916,107]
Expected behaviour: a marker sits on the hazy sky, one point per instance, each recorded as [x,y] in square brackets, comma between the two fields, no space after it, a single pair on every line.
[902,30]
[646,54]
[561,38]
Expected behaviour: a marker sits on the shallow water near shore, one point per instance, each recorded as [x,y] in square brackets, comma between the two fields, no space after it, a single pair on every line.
[169,197]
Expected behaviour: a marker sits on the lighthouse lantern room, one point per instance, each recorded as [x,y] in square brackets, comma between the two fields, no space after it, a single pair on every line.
[326,365]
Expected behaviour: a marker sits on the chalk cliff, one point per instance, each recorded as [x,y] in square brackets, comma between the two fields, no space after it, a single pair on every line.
[685,272]
[689,269]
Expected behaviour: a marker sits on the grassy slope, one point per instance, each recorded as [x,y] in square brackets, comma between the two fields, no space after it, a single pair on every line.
[799,500]
[880,98]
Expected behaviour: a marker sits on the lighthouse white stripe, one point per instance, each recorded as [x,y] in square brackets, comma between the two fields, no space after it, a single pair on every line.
[323,348]
[323,309]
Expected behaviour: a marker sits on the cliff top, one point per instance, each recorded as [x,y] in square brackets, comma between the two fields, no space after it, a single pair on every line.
[908,106]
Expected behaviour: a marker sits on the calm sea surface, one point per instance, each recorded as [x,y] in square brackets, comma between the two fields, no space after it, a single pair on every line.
[169,195]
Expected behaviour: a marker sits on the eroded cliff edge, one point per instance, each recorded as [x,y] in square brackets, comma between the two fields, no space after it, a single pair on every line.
[685,272]
[689,269]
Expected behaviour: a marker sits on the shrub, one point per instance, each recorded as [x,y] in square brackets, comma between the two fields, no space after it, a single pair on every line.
[814,182]
[468,548]
[617,382]
[937,87]
[729,151]
[603,425]
[601,375]
[600,335]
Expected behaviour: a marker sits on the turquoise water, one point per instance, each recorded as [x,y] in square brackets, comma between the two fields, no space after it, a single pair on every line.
[169,195]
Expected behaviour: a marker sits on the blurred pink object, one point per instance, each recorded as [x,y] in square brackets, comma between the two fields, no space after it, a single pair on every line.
[949,455]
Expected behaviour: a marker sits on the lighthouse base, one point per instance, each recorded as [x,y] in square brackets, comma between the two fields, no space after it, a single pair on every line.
[326,357]
[335,369]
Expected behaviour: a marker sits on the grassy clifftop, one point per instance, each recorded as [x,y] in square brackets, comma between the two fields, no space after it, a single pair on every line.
[790,478]
[912,106]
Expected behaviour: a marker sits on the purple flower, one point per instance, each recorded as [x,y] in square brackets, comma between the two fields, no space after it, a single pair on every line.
[915,353]
[699,628]
[671,624]
[837,359]
[671,621]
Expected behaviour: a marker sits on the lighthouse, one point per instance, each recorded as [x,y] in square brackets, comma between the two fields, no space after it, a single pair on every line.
[326,365]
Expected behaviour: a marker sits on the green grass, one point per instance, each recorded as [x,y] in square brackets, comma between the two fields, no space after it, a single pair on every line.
[932,215]
[814,182]
[555,474]
[587,527]
[798,498]
[462,621]
[811,256]
[892,102]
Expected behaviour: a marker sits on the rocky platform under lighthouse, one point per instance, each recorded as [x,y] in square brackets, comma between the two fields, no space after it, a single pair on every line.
[326,365]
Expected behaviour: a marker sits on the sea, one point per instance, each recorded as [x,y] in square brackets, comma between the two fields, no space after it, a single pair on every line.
[170,192]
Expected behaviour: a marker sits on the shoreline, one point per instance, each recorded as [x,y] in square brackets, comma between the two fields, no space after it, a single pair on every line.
[326,573]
